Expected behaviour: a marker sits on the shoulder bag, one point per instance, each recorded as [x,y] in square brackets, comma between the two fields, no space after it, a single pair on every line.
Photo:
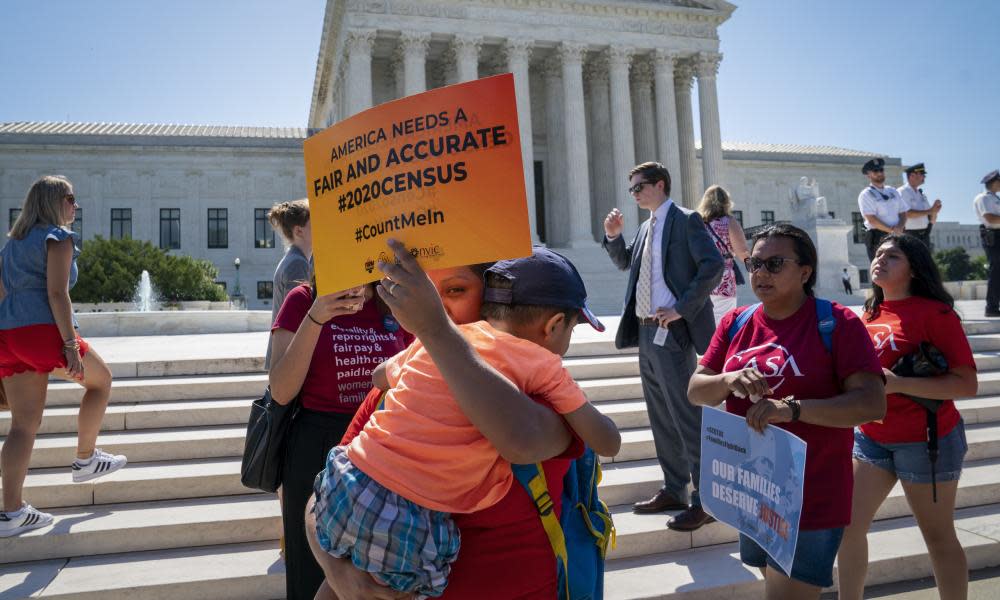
[264,452]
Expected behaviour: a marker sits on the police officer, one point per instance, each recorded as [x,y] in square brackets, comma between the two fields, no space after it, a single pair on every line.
[883,209]
[987,207]
[922,215]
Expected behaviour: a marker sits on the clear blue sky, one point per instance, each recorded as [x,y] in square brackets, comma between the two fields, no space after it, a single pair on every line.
[917,79]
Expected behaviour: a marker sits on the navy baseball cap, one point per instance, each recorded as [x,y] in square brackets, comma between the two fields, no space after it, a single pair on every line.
[543,279]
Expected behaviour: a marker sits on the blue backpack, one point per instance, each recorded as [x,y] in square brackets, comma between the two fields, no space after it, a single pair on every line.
[824,316]
[580,538]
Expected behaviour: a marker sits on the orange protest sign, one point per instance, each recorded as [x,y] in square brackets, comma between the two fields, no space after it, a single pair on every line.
[439,171]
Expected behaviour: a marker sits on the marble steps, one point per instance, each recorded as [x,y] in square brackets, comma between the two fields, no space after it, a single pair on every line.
[247,571]
[896,553]
[141,526]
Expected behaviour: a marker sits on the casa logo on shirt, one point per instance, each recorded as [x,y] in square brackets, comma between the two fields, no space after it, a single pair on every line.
[774,361]
[883,337]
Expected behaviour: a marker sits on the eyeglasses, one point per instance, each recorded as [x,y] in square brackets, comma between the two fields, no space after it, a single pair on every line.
[773,264]
[71,199]
[635,189]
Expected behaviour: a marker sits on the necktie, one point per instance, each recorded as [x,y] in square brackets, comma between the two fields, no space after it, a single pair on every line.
[644,286]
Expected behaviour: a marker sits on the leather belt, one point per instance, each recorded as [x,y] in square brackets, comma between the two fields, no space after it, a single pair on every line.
[648,321]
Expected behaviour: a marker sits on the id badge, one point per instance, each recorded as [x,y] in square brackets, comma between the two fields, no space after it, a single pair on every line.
[661,336]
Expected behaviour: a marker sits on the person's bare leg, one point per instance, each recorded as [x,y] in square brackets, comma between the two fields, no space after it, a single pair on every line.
[779,587]
[97,383]
[937,524]
[871,487]
[26,396]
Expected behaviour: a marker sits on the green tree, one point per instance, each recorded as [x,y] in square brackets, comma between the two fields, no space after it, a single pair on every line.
[955,264]
[110,270]
[980,268]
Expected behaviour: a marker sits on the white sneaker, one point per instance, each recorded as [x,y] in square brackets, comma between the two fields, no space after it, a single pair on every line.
[100,464]
[26,519]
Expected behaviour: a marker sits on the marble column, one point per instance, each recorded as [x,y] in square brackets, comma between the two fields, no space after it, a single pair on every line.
[414,45]
[602,168]
[466,50]
[518,51]
[359,70]
[683,74]
[577,184]
[396,67]
[667,143]
[622,139]
[708,111]
[556,201]
[644,124]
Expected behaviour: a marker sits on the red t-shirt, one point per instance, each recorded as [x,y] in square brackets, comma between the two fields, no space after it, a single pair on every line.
[897,331]
[791,355]
[348,349]
[505,552]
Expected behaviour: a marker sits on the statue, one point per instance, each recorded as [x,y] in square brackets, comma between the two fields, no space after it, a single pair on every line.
[806,203]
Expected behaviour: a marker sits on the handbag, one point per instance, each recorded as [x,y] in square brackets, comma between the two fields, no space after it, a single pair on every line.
[737,274]
[264,450]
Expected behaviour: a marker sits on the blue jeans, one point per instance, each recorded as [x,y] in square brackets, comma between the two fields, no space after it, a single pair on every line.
[909,461]
[814,555]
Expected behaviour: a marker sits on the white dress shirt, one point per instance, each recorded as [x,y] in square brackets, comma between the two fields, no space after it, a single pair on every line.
[885,203]
[662,296]
[986,203]
[915,200]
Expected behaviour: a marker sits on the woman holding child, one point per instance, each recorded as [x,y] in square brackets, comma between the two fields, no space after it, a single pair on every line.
[909,306]
[826,392]
[507,537]
[323,349]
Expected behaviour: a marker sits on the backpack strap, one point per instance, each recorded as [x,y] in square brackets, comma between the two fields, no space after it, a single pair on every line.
[532,478]
[742,319]
[824,315]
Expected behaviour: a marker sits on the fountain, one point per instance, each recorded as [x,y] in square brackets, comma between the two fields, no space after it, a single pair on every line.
[145,294]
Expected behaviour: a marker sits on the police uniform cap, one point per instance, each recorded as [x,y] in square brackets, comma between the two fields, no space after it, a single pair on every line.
[875,164]
[917,168]
[992,175]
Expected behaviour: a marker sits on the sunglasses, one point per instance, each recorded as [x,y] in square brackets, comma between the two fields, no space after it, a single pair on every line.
[635,189]
[71,199]
[773,264]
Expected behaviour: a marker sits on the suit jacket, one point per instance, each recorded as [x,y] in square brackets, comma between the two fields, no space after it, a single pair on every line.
[692,268]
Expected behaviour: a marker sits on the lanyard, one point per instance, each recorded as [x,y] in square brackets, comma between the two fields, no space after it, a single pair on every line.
[879,193]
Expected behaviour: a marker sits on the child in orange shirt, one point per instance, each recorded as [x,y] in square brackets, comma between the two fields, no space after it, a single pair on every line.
[385,500]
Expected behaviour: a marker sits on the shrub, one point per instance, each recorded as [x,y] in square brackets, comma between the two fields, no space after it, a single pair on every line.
[955,264]
[110,270]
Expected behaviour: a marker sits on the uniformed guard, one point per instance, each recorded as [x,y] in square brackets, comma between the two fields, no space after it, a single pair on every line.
[921,214]
[884,210]
[987,207]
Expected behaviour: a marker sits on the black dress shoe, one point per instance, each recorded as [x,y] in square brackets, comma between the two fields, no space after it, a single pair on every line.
[661,501]
[992,313]
[691,519]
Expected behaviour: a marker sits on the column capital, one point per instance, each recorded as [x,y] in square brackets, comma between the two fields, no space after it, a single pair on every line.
[518,49]
[707,64]
[360,41]
[642,73]
[552,67]
[414,43]
[620,55]
[665,59]
[572,52]
[466,45]
[683,75]
[596,71]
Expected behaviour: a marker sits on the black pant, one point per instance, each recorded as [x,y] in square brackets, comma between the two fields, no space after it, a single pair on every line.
[312,435]
[993,285]
[924,235]
[873,239]
[847,286]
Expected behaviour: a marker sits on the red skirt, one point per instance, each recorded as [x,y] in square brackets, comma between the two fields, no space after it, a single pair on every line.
[36,348]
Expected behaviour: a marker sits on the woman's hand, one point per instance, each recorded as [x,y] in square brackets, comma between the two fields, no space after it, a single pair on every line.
[410,294]
[354,584]
[747,383]
[768,411]
[74,363]
[337,304]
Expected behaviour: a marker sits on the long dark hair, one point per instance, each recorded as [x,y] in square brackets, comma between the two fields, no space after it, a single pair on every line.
[926,281]
[804,248]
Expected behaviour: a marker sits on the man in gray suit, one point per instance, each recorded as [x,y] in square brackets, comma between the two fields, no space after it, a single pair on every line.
[673,266]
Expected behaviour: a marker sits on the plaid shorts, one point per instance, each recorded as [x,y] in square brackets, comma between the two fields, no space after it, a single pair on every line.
[402,544]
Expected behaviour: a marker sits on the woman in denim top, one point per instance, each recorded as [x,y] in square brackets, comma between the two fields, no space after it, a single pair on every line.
[37,337]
